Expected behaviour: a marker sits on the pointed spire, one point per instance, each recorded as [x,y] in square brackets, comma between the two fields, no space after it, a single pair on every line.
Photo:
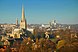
[16,21]
[23,23]
[23,15]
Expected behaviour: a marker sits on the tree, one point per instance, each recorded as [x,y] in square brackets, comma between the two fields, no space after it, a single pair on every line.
[38,36]
[32,36]
[43,35]
[60,44]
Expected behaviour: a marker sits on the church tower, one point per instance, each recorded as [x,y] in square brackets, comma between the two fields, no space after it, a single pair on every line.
[23,24]
[16,21]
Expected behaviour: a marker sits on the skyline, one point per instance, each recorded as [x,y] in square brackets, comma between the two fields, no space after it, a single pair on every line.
[39,11]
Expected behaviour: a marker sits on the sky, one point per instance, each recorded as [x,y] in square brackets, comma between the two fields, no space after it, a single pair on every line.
[39,11]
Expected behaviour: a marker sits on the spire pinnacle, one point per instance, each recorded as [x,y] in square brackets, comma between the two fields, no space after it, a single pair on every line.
[23,15]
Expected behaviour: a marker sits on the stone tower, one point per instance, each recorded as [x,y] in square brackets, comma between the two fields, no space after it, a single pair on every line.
[23,24]
[16,21]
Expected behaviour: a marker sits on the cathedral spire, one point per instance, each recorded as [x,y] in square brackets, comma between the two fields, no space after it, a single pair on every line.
[23,15]
[23,23]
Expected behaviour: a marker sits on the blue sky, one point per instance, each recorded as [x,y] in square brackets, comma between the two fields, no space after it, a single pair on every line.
[39,11]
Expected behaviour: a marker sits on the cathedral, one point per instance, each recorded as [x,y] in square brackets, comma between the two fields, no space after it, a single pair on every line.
[23,25]
[19,28]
